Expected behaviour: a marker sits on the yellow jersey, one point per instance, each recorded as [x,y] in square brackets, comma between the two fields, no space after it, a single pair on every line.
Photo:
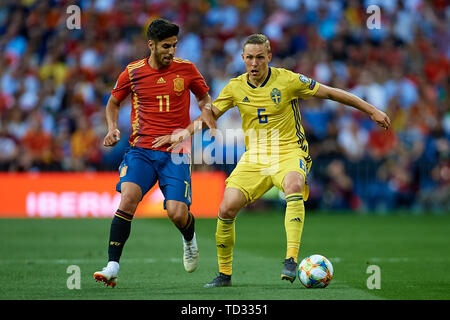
[270,113]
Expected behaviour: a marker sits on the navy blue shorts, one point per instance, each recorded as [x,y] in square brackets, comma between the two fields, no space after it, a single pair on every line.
[145,167]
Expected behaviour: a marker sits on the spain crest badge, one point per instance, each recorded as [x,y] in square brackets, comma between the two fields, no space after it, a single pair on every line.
[178,85]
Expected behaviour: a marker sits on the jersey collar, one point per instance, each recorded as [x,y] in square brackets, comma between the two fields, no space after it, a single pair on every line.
[265,81]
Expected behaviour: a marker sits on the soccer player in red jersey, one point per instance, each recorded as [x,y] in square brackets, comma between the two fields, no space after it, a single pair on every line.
[160,88]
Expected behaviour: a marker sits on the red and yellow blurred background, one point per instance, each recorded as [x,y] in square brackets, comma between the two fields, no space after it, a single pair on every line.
[92,195]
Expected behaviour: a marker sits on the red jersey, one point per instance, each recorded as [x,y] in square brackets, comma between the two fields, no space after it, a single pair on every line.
[160,99]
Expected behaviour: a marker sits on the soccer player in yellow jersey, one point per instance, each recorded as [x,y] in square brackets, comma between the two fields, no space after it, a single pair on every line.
[276,148]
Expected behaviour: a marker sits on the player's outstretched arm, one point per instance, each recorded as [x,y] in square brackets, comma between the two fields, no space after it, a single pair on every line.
[112,116]
[177,137]
[344,97]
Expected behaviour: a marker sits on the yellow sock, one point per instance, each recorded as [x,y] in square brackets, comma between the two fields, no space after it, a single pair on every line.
[293,223]
[225,238]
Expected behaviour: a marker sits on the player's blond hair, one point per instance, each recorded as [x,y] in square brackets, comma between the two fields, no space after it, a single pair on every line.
[257,38]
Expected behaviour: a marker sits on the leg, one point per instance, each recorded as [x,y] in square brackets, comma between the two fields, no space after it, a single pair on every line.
[137,176]
[295,212]
[182,218]
[293,185]
[131,195]
[244,185]
[120,229]
[233,201]
[179,214]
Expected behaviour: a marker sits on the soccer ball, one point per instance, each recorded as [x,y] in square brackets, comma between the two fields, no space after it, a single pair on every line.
[315,271]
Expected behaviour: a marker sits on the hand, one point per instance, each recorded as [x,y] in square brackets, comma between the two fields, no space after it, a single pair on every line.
[111,138]
[207,117]
[381,119]
[172,139]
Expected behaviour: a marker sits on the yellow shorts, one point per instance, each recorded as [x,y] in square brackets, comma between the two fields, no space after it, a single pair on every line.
[254,175]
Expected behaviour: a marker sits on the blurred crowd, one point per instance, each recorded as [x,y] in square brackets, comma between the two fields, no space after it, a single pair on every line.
[55,82]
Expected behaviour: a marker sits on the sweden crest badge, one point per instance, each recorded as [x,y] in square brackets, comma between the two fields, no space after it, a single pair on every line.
[275,95]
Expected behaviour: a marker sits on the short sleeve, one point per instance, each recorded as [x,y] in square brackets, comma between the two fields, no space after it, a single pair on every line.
[225,99]
[303,86]
[122,88]
[197,85]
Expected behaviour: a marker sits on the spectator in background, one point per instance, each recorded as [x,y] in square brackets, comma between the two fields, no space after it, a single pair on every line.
[382,143]
[353,140]
[400,183]
[85,154]
[403,66]
[338,193]
[15,122]
[37,145]
[436,198]
[9,149]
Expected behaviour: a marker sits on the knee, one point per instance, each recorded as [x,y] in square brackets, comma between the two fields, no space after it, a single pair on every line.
[177,213]
[178,217]
[228,211]
[129,202]
[131,195]
[294,186]
[233,200]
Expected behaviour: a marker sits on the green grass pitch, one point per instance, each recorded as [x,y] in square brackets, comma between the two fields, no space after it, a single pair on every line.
[411,251]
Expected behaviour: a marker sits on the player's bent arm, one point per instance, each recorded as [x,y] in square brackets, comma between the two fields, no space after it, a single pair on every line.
[207,116]
[204,102]
[199,122]
[177,137]
[347,98]
[112,117]
[197,125]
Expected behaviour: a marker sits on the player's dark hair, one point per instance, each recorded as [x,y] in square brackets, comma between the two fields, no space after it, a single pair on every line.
[257,38]
[161,29]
